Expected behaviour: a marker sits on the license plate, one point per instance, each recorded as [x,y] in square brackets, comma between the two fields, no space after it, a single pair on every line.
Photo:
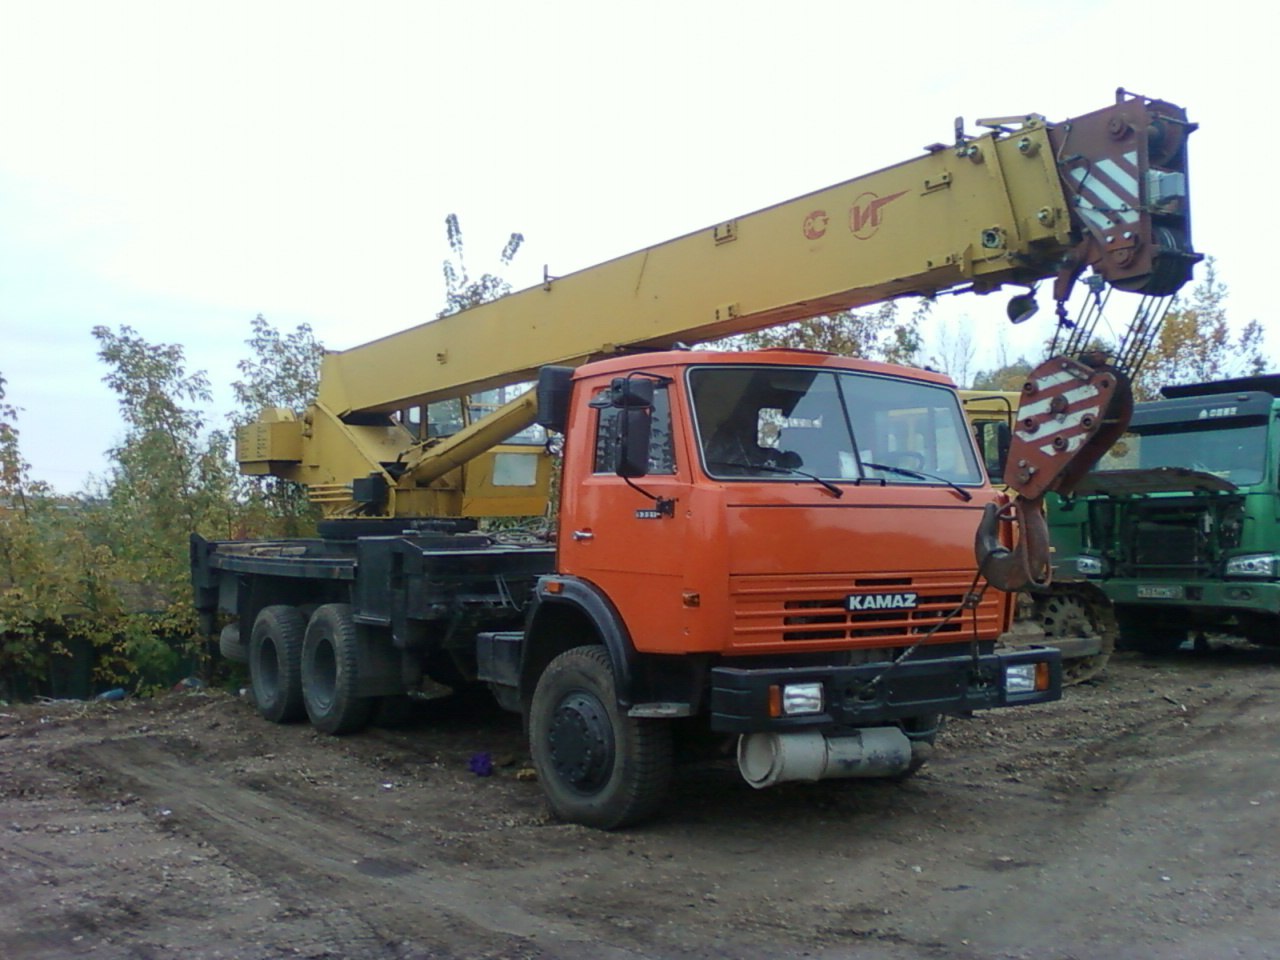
[1154,591]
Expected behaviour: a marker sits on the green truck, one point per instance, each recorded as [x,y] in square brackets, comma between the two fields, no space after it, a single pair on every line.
[1179,523]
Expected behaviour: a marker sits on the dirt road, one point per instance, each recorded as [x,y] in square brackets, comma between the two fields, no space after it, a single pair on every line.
[1138,818]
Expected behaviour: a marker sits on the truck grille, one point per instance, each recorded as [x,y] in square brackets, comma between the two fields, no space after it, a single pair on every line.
[814,610]
[1171,550]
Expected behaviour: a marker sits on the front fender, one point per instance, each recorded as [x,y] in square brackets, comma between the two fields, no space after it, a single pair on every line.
[569,612]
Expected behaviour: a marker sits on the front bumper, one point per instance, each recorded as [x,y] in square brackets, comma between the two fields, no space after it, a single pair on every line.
[914,688]
[1227,595]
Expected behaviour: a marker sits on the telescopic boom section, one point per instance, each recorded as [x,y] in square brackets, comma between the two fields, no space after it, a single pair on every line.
[1025,201]
[1015,205]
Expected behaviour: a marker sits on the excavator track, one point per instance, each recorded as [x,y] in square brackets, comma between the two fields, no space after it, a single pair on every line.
[1074,617]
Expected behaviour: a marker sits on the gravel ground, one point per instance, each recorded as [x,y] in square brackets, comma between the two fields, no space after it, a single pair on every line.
[1137,818]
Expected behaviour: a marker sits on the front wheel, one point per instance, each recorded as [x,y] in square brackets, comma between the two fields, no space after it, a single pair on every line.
[597,766]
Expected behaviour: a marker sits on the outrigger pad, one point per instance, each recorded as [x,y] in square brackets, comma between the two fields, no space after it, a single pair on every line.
[1071,414]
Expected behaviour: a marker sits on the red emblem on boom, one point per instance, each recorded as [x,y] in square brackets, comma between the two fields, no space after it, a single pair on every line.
[815,225]
[865,214]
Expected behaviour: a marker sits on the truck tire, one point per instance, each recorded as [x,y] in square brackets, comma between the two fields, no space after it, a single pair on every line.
[597,766]
[275,654]
[330,672]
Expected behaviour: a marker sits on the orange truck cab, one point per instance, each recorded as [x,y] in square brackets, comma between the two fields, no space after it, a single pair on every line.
[779,542]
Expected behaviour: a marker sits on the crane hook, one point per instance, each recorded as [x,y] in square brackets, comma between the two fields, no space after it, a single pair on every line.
[1027,563]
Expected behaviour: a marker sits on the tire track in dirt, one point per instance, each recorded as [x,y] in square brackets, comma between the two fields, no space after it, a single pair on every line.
[1186,776]
[1040,834]
[324,863]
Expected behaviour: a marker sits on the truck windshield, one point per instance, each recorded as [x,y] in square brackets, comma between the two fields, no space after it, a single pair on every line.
[1233,450]
[763,422]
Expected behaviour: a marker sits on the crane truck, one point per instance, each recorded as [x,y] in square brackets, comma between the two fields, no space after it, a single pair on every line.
[786,550]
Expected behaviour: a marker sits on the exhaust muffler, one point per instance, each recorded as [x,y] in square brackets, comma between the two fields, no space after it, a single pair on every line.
[765,759]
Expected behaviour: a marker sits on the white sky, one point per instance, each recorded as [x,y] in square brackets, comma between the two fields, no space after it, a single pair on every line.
[181,167]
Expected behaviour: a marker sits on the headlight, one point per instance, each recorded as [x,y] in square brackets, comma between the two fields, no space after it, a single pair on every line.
[1026,677]
[801,698]
[1089,566]
[1252,565]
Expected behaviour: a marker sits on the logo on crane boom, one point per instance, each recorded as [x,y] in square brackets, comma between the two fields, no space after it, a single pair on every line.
[815,225]
[865,214]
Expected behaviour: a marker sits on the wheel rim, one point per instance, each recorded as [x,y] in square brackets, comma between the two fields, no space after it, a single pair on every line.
[580,741]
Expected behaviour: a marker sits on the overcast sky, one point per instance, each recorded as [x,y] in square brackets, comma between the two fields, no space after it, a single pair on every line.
[182,167]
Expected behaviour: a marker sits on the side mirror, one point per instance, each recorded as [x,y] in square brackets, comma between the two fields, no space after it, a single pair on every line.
[555,385]
[633,398]
[635,429]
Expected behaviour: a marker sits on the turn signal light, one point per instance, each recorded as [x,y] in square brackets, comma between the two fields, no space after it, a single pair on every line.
[775,701]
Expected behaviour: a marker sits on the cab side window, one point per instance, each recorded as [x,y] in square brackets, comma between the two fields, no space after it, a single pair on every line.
[993,441]
[662,453]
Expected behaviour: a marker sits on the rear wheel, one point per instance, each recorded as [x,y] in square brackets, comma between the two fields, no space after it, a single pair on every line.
[597,766]
[275,651]
[330,672]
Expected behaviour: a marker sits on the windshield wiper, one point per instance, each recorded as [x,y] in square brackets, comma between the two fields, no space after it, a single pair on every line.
[769,468]
[964,494]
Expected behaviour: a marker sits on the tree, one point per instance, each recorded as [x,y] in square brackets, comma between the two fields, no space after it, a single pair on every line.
[169,477]
[955,352]
[461,292]
[14,470]
[284,371]
[875,334]
[1007,376]
[58,586]
[1196,344]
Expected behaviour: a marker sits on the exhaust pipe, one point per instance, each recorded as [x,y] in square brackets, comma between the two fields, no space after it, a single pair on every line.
[768,758]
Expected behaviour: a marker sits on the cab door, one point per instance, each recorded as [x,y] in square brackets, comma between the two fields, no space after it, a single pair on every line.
[627,537]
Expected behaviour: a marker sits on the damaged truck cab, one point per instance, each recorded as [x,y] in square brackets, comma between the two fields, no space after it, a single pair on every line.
[1180,522]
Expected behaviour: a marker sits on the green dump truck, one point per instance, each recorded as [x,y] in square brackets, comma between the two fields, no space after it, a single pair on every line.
[1179,523]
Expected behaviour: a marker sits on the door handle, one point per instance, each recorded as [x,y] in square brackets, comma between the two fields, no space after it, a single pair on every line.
[583,535]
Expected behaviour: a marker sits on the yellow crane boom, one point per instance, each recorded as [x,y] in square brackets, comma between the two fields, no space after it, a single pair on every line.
[1025,201]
